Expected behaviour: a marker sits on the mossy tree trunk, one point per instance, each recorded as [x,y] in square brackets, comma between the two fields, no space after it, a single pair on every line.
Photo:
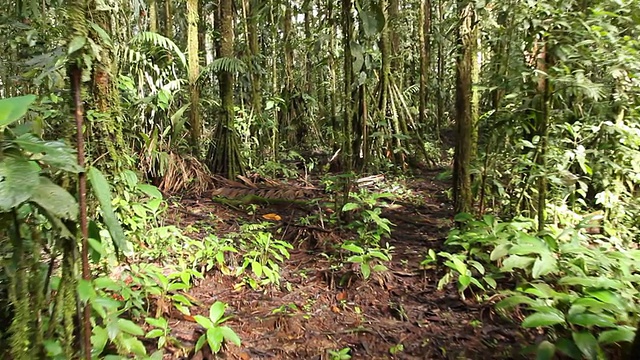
[224,156]
[464,123]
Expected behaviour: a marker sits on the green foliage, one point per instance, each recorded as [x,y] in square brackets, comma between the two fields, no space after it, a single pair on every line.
[369,259]
[215,333]
[263,254]
[371,227]
[580,290]
[342,354]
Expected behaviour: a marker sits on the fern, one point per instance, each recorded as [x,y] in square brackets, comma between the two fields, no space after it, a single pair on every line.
[156,39]
[232,65]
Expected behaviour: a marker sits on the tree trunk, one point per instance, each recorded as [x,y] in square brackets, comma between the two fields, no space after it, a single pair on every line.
[107,133]
[462,160]
[194,72]
[542,124]
[153,16]
[347,130]
[224,153]
[168,13]
[425,54]
[440,87]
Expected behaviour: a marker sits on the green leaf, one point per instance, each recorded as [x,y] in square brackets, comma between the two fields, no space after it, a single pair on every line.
[517,262]
[587,344]
[350,206]
[86,291]
[18,180]
[569,348]
[543,319]
[515,300]
[200,343]
[95,241]
[543,266]
[159,323]
[353,248]
[150,190]
[216,311]
[99,339]
[588,320]
[155,333]
[53,153]
[130,327]
[76,44]
[12,109]
[608,297]
[622,334]
[55,200]
[203,321]
[134,346]
[366,270]
[372,18]
[545,351]
[103,194]
[214,338]
[256,267]
[463,217]
[464,281]
[230,335]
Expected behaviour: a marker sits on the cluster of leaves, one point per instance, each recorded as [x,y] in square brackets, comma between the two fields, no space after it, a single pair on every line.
[579,288]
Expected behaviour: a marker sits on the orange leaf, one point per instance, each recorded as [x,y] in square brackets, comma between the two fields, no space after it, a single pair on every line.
[341,296]
[335,309]
[272,216]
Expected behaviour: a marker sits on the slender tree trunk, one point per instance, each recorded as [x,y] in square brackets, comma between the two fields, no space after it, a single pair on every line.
[440,87]
[542,124]
[194,72]
[308,66]
[332,76]
[425,54]
[168,13]
[347,128]
[475,78]
[153,16]
[254,50]
[462,160]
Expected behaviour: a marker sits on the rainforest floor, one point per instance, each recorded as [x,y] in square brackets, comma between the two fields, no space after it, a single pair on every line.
[313,311]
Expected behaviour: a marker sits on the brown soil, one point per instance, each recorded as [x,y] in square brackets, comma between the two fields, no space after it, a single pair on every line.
[400,306]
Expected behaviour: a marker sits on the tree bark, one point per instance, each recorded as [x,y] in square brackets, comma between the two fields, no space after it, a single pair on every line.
[462,160]
[194,72]
[425,54]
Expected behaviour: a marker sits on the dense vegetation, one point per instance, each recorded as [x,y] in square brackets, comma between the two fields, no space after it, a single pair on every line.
[114,111]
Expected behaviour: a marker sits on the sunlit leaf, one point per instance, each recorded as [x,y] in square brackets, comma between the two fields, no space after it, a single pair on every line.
[12,109]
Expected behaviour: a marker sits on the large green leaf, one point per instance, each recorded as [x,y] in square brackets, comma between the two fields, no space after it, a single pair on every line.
[54,153]
[517,262]
[545,351]
[55,200]
[622,334]
[230,335]
[588,320]
[544,265]
[18,179]
[103,194]
[587,344]
[543,319]
[372,18]
[12,109]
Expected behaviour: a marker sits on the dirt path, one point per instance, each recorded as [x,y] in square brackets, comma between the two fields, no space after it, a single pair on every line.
[401,310]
